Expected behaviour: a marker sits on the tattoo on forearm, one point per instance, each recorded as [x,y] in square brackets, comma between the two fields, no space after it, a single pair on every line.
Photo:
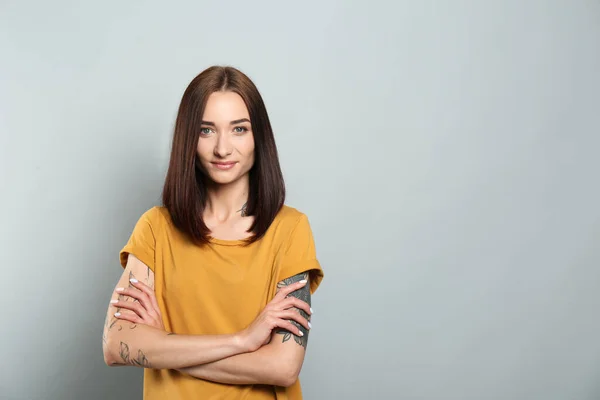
[304,295]
[140,361]
[124,352]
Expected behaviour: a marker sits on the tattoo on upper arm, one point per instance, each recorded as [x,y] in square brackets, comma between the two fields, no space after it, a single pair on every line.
[121,298]
[104,331]
[109,322]
[304,295]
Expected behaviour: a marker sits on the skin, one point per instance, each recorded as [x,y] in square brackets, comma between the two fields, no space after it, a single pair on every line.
[226,136]
[301,294]
[262,353]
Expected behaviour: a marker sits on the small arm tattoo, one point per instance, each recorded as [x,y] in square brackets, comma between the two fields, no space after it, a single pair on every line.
[111,321]
[126,298]
[124,352]
[303,294]
[121,298]
[140,361]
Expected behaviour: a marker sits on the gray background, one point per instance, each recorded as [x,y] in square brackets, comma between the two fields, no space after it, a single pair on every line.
[445,152]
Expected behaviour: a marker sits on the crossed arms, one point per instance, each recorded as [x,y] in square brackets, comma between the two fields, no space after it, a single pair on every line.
[270,351]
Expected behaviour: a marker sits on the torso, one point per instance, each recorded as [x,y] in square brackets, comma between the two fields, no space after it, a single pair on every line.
[216,288]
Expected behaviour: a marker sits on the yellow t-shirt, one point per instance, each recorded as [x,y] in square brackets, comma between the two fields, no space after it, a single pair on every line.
[218,288]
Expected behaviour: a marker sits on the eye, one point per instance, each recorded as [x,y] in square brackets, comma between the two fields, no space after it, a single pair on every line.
[240,129]
[205,131]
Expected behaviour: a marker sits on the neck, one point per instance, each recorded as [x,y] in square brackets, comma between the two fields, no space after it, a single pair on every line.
[226,201]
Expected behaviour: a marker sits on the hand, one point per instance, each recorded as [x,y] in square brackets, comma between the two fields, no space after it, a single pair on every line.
[144,311]
[276,314]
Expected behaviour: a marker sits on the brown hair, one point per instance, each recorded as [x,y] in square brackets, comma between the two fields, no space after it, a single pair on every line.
[184,192]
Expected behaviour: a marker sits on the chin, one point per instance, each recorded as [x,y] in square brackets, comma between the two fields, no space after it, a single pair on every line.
[224,179]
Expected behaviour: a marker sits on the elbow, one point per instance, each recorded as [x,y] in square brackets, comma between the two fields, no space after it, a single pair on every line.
[287,381]
[288,374]
[109,353]
[289,364]
[108,359]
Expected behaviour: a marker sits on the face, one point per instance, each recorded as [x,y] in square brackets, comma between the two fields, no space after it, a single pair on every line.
[226,143]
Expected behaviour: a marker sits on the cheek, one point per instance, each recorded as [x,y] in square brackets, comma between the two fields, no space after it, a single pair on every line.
[251,154]
[251,145]
[202,150]
[247,147]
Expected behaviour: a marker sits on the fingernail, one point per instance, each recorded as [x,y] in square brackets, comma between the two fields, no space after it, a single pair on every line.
[302,281]
[311,310]
[301,333]
[117,314]
[310,325]
[133,280]
[119,289]
[114,301]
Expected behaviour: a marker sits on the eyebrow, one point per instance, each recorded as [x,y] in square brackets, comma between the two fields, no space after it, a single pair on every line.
[237,121]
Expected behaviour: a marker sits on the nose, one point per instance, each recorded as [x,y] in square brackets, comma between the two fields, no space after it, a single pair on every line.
[223,146]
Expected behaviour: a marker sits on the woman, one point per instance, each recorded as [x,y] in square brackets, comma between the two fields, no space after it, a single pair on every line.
[214,300]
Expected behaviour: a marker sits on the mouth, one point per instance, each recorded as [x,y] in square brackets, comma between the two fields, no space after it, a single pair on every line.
[224,165]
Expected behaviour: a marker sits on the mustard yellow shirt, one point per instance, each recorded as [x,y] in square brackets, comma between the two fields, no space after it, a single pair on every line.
[218,288]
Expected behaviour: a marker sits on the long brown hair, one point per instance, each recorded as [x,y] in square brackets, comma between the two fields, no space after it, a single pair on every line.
[184,192]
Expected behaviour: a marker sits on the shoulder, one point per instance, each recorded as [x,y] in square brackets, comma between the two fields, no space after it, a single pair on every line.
[156,216]
[290,222]
[290,217]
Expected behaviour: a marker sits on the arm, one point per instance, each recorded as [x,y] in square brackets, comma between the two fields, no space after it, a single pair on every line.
[277,363]
[128,343]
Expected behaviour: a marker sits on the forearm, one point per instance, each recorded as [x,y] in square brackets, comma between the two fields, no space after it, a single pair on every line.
[148,347]
[277,363]
[263,366]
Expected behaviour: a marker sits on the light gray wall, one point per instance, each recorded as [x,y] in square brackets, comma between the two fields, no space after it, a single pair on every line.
[445,152]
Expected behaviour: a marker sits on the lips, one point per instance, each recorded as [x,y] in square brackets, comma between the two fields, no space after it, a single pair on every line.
[224,165]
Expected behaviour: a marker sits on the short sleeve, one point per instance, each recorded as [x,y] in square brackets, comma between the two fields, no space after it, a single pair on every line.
[300,255]
[142,242]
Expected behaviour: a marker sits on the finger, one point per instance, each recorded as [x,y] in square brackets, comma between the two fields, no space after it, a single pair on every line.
[158,323]
[295,316]
[136,294]
[124,301]
[128,316]
[130,305]
[283,324]
[283,292]
[149,292]
[296,302]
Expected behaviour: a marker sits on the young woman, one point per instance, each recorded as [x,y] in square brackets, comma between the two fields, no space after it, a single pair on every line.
[214,301]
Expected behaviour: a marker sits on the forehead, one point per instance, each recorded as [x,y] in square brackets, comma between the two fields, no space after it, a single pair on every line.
[225,107]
